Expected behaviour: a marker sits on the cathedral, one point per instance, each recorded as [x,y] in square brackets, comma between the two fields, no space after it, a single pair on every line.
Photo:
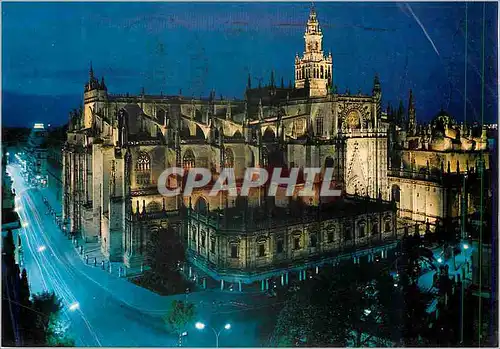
[389,172]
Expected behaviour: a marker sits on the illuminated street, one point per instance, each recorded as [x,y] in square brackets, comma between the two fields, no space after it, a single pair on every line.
[104,310]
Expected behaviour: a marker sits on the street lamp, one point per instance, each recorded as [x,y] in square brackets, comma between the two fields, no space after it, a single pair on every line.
[201,326]
[465,246]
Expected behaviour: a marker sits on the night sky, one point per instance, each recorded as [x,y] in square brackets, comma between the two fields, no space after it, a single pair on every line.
[167,47]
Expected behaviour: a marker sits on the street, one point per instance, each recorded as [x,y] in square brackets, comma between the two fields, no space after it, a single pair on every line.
[104,310]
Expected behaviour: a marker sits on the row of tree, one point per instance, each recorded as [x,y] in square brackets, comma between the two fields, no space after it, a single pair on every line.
[28,320]
[364,305]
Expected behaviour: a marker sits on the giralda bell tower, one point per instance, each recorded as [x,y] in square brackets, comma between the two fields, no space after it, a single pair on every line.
[313,70]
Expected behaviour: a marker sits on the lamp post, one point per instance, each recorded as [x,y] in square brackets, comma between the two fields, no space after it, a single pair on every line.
[201,326]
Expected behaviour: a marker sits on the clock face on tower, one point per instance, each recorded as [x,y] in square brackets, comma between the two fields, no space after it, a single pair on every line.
[352,119]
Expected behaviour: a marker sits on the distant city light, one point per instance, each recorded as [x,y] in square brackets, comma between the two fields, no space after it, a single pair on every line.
[200,325]
[440,260]
[465,246]
[367,311]
[39,126]
[228,326]
[38,177]
[184,334]
[395,285]
[74,306]
[41,248]
[18,208]
[7,154]
[25,224]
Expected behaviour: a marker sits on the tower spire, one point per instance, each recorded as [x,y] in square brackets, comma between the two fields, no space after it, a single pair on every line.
[313,65]
[411,114]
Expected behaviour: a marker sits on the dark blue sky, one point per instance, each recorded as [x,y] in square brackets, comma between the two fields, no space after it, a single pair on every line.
[166,47]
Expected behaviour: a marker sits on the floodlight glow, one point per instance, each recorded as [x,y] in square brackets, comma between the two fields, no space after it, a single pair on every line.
[465,246]
[41,248]
[440,260]
[200,325]
[25,224]
[74,306]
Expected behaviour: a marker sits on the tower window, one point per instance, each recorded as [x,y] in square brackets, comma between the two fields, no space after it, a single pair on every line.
[212,245]
[321,72]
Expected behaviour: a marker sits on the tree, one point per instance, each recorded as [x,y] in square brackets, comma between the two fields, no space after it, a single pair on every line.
[341,307]
[179,316]
[164,251]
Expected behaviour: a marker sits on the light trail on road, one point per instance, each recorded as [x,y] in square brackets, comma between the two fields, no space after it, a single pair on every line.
[112,311]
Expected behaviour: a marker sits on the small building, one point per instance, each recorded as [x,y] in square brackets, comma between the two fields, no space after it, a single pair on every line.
[36,156]
[10,218]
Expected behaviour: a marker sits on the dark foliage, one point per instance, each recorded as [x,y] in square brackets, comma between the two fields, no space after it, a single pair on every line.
[25,321]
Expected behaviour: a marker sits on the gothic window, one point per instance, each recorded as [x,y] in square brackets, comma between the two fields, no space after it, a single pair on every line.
[234,250]
[361,230]
[203,237]
[314,240]
[375,229]
[303,73]
[396,193]
[279,246]
[321,72]
[153,206]
[319,126]
[143,169]
[262,250]
[229,158]
[387,227]
[201,206]
[193,234]
[188,160]
[160,115]
[329,237]
[212,245]
[296,243]
[347,234]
